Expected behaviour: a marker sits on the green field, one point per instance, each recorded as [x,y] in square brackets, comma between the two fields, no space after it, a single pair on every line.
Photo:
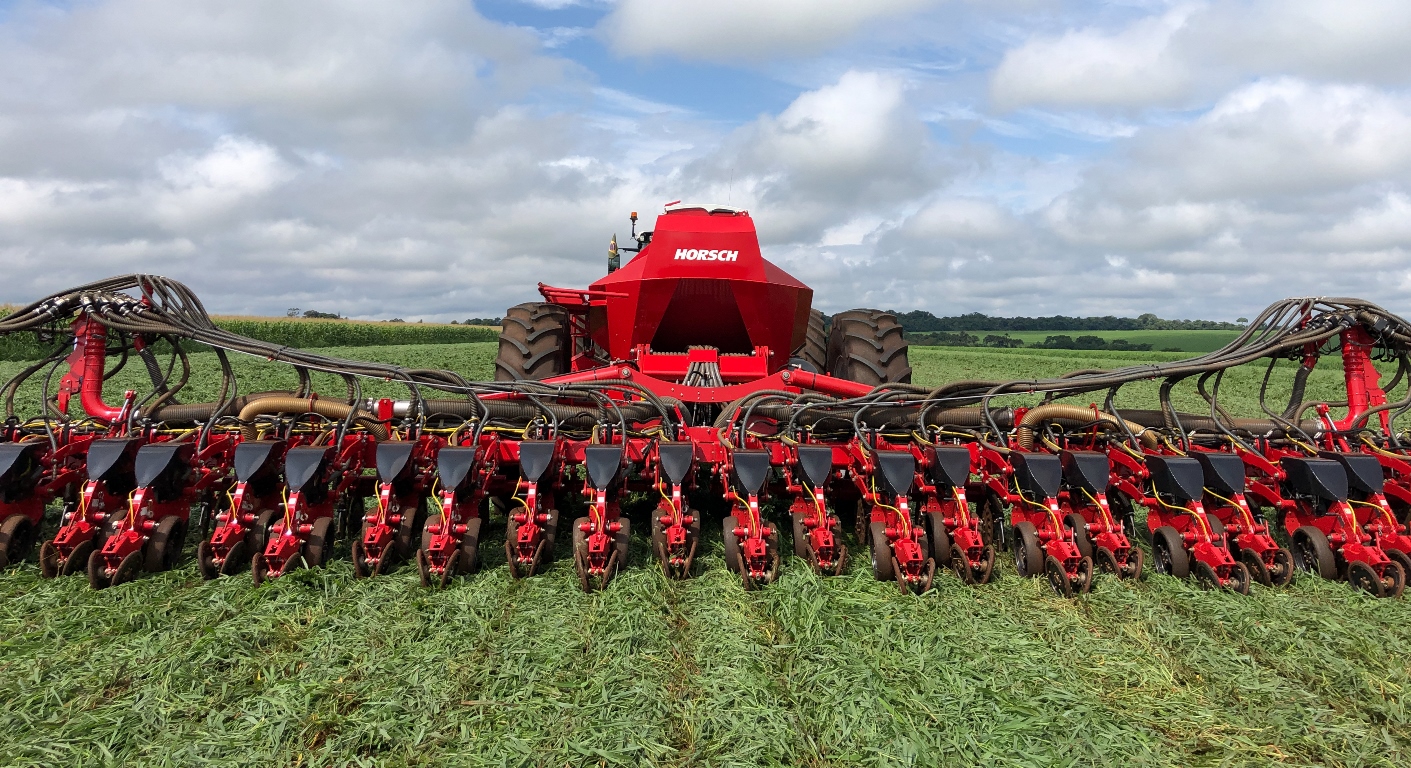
[1185,341]
[322,669]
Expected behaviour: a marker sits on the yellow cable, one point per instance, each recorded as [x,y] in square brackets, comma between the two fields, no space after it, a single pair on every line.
[905,522]
[1305,446]
[1368,442]
[672,503]
[1231,502]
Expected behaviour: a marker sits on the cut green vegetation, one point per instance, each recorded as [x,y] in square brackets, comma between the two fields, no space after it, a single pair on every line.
[320,668]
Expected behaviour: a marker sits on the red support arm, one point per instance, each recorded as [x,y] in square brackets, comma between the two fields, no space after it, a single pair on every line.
[85,374]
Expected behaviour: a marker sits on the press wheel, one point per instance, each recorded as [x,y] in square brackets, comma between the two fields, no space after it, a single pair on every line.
[1258,571]
[1083,580]
[1239,579]
[1058,577]
[1395,581]
[128,568]
[206,560]
[1364,578]
[78,559]
[1106,561]
[1205,576]
[97,570]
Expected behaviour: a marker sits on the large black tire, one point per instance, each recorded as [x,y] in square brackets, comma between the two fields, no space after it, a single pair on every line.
[867,346]
[534,342]
[815,343]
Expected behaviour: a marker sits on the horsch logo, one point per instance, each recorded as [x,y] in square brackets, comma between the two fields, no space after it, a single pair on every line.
[695,254]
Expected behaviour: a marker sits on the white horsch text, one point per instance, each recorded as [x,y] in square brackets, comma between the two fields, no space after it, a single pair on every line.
[695,254]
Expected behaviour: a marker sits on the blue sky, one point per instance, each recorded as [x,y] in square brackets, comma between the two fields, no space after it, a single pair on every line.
[437,158]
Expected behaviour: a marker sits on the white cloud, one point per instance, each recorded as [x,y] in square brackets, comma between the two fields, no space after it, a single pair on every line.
[843,151]
[1194,51]
[1093,67]
[1385,224]
[1272,139]
[725,30]
[202,187]
[964,219]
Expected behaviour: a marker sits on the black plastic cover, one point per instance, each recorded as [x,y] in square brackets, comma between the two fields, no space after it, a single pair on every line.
[18,460]
[105,457]
[1364,473]
[453,465]
[817,463]
[1086,470]
[604,463]
[1224,472]
[951,466]
[1038,474]
[676,460]
[534,458]
[1320,478]
[1179,477]
[751,469]
[155,460]
[252,457]
[393,458]
[897,471]
[302,466]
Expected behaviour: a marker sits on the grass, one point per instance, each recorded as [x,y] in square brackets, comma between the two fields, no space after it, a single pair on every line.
[320,668]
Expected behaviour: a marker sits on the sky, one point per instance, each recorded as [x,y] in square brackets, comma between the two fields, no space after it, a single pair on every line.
[436,159]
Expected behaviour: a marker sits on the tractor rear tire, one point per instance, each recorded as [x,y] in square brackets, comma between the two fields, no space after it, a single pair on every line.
[866,346]
[815,344]
[534,342]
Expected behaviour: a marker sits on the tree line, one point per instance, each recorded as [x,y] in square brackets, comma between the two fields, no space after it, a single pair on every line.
[921,321]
